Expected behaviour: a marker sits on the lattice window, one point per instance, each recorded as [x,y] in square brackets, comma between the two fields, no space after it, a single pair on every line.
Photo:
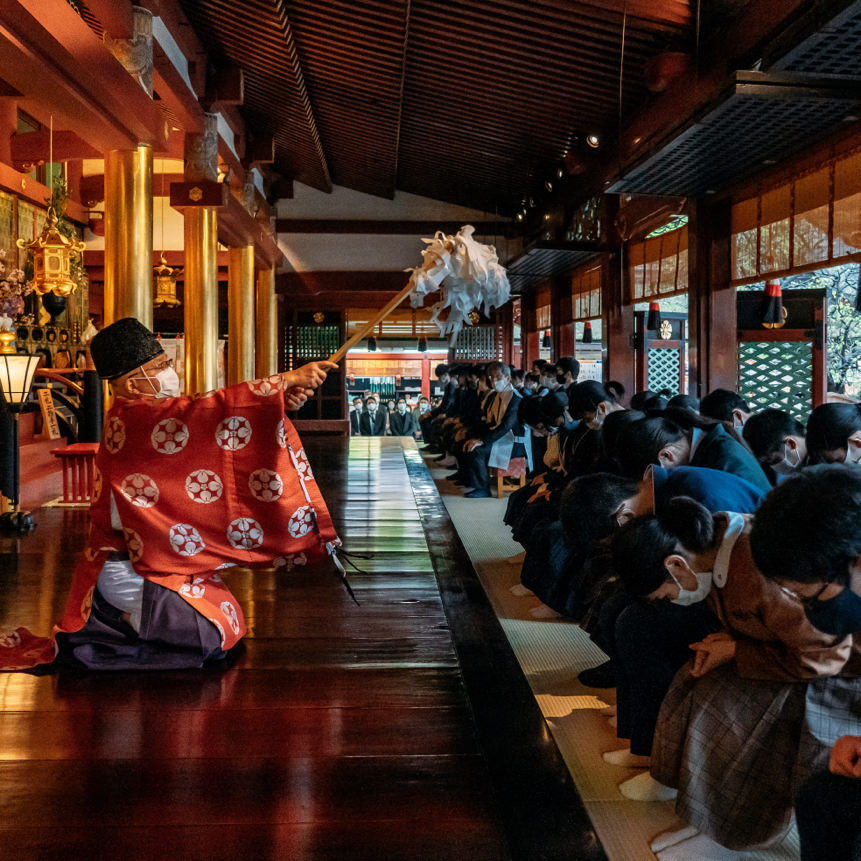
[776,374]
[478,342]
[664,364]
[313,342]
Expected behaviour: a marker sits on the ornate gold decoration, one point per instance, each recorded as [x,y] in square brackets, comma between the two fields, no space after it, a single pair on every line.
[165,284]
[319,316]
[195,194]
[666,330]
[7,342]
[474,317]
[52,256]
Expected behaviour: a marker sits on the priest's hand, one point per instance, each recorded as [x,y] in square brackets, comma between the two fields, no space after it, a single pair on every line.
[295,397]
[308,376]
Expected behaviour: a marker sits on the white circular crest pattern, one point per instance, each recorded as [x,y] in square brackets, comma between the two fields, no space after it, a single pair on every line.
[232,616]
[169,436]
[303,465]
[115,435]
[301,521]
[265,485]
[140,490]
[97,483]
[290,562]
[281,434]
[134,544]
[185,539]
[203,486]
[233,433]
[195,589]
[245,533]
[266,388]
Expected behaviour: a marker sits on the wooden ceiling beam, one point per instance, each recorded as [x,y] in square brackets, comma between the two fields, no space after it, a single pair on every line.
[384,227]
[115,16]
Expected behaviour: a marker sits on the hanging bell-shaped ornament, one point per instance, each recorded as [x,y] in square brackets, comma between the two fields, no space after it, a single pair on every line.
[372,344]
[164,279]
[587,332]
[423,344]
[52,258]
[773,312]
[545,340]
[653,321]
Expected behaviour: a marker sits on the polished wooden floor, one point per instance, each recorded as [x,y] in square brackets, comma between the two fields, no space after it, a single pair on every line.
[397,729]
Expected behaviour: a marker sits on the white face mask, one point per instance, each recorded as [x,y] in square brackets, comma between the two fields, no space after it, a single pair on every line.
[853,453]
[693,596]
[168,383]
[402,408]
[423,408]
[372,408]
[501,385]
[788,465]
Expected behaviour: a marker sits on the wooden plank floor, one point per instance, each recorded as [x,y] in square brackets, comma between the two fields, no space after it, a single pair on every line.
[336,732]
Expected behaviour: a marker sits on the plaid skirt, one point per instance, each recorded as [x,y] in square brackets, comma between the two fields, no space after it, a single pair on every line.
[738,749]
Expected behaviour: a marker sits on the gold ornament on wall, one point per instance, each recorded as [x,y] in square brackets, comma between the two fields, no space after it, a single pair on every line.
[666,330]
[474,317]
[319,316]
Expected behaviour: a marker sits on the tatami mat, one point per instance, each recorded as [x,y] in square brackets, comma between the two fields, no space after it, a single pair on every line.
[551,653]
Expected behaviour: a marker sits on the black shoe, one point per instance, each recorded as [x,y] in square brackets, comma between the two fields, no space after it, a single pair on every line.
[455,476]
[602,676]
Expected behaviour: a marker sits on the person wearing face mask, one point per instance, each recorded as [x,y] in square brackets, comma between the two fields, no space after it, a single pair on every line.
[834,434]
[183,486]
[750,684]
[776,440]
[807,539]
[498,438]
[373,421]
[567,371]
[356,408]
[401,421]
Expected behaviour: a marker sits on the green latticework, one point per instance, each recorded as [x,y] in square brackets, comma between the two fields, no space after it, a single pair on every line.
[776,374]
[315,342]
[477,342]
[664,364]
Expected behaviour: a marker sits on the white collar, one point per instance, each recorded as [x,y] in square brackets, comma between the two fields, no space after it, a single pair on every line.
[734,528]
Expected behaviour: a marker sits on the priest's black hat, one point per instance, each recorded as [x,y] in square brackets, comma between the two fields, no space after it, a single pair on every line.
[123,346]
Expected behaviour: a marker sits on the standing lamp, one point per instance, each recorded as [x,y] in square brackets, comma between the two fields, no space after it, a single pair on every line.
[16,378]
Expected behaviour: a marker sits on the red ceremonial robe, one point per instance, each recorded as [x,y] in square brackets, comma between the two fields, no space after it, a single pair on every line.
[200,483]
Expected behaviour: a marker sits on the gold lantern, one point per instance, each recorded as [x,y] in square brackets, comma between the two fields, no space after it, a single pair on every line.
[474,317]
[165,284]
[52,257]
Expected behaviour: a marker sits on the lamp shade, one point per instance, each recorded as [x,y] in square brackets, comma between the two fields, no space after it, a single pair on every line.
[16,376]
[423,344]
[587,332]
[545,340]
[372,344]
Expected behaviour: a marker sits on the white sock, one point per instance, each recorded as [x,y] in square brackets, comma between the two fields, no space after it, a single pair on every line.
[700,847]
[626,759]
[542,611]
[670,838]
[644,787]
[520,591]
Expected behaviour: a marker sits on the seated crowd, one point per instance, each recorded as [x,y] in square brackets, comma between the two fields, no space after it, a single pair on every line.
[714,554]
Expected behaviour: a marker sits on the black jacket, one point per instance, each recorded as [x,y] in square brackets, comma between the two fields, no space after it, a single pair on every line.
[402,425]
[373,425]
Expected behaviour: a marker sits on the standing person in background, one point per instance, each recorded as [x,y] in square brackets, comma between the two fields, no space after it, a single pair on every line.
[402,422]
[567,371]
[373,421]
[355,414]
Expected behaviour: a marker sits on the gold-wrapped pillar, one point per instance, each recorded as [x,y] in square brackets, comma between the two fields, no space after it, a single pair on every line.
[201,266]
[266,362]
[240,315]
[128,235]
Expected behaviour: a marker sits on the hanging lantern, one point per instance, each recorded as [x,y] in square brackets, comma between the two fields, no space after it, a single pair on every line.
[423,344]
[165,284]
[545,340]
[773,312]
[587,332]
[372,344]
[52,258]
[653,321]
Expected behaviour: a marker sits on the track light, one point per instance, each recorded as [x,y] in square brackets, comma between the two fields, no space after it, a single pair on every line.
[548,185]
[593,141]
[519,216]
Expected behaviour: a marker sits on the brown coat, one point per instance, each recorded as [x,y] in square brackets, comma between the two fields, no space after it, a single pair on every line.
[774,640]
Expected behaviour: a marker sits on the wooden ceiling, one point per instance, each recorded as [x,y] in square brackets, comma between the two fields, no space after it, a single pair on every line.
[473,102]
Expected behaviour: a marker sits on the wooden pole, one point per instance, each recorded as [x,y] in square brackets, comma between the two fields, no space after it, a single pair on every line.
[369,327]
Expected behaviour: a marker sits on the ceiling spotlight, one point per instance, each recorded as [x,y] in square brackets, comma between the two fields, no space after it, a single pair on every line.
[532,203]
[593,141]
[560,172]
[547,216]
[519,216]
[548,185]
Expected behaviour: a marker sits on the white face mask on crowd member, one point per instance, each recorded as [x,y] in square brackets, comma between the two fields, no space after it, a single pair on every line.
[853,450]
[372,407]
[424,406]
[167,379]
[501,385]
[686,597]
[402,408]
[791,459]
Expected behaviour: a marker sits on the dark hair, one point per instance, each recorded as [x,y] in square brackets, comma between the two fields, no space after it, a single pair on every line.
[639,443]
[612,429]
[808,527]
[568,364]
[516,374]
[440,370]
[640,547]
[588,504]
[531,378]
[584,397]
[553,405]
[719,404]
[539,364]
[655,404]
[640,398]
[765,432]
[504,369]
[829,427]
[529,412]
[685,402]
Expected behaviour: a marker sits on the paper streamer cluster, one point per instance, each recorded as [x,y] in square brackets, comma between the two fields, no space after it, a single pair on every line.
[467,275]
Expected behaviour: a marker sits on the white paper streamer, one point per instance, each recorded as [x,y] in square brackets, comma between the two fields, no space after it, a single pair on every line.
[467,275]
